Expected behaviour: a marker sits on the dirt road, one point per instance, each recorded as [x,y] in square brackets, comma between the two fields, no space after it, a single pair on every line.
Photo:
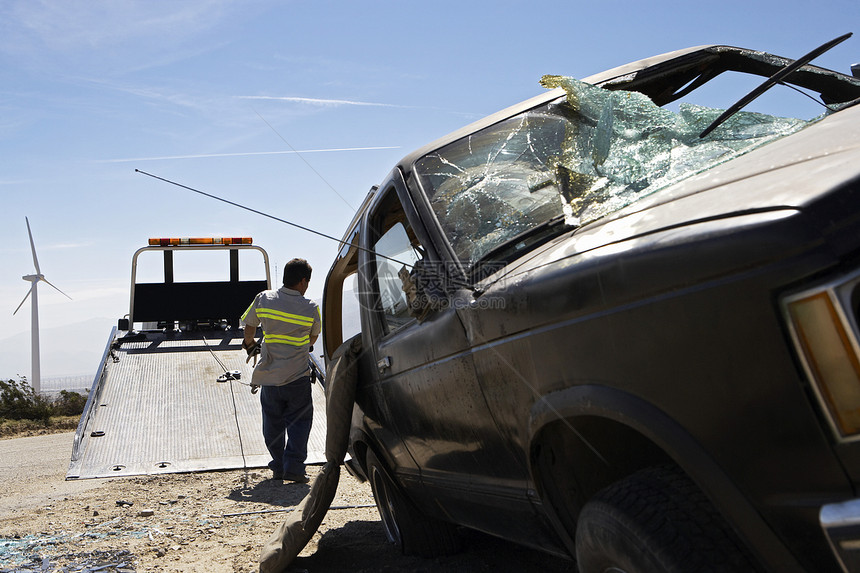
[204,522]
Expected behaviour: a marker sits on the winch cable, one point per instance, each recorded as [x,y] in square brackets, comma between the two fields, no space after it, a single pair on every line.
[229,376]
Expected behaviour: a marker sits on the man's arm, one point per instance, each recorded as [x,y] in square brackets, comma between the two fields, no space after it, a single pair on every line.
[252,348]
[250,332]
[316,328]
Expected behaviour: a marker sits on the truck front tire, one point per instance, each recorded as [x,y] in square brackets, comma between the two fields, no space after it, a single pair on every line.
[405,526]
[656,520]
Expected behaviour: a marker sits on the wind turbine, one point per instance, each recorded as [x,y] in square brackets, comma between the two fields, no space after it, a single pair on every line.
[35,378]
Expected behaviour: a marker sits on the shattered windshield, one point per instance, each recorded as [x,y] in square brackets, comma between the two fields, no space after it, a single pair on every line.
[579,158]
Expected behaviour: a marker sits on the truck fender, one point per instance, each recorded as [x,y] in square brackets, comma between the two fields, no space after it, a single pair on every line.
[590,411]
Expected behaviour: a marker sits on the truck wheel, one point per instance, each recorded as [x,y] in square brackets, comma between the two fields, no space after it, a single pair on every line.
[656,520]
[405,526]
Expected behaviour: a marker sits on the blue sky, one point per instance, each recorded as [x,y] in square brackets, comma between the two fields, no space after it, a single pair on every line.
[218,95]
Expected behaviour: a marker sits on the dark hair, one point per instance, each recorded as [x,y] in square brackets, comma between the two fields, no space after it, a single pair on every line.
[295,271]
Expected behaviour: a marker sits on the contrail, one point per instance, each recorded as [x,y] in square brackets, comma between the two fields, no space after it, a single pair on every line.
[245,154]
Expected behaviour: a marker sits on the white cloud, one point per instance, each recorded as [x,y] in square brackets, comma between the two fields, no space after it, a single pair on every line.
[244,154]
[323,102]
[15,181]
[57,246]
[109,37]
[73,25]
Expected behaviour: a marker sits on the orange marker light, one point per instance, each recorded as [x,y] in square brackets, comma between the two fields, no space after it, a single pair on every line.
[832,361]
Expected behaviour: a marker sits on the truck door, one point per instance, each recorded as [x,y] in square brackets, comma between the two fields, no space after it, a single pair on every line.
[426,373]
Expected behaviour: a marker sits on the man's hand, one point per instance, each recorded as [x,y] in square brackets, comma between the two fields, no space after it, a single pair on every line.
[252,348]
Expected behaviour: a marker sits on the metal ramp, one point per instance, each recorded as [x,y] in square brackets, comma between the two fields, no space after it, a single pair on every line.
[158,407]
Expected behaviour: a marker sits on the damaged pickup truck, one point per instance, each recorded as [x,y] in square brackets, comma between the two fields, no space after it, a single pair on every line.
[590,328]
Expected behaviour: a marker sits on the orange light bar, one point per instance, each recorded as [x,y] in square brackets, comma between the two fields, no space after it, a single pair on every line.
[178,241]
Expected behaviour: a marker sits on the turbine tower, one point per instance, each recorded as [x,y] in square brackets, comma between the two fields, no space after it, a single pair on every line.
[35,374]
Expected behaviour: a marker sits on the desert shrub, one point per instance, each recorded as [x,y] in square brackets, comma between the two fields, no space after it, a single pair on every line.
[18,401]
[68,404]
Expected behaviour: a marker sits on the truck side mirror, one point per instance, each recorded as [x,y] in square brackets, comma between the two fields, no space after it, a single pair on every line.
[424,289]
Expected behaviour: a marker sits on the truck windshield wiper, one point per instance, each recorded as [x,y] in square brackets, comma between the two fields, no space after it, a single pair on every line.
[773,80]
[540,232]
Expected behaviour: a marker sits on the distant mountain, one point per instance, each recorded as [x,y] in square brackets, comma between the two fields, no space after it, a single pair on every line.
[70,350]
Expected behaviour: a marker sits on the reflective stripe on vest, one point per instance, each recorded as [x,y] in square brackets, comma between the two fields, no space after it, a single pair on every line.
[284,339]
[285,317]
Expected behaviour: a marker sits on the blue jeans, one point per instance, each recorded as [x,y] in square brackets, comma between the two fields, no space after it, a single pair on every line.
[288,413]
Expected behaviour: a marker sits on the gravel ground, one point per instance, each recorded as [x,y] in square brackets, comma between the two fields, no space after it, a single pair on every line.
[210,521]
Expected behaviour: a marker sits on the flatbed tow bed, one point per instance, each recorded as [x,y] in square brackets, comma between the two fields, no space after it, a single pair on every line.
[171,401]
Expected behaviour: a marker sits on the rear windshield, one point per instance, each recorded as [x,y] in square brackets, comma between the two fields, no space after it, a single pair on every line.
[573,161]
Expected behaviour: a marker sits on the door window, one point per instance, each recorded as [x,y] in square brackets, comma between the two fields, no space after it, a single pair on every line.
[396,255]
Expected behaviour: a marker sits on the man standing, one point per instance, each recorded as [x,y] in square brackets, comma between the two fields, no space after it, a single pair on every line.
[291,324]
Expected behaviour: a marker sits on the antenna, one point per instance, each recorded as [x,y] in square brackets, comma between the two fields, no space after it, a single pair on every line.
[35,374]
[211,196]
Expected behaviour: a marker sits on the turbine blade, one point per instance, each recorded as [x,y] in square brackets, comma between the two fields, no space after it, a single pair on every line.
[55,288]
[33,247]
[26,296]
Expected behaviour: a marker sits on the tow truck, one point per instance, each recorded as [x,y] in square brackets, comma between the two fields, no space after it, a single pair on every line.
[172,392]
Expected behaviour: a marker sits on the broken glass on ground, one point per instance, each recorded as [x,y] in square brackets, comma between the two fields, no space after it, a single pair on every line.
[581,157]
[24,555]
